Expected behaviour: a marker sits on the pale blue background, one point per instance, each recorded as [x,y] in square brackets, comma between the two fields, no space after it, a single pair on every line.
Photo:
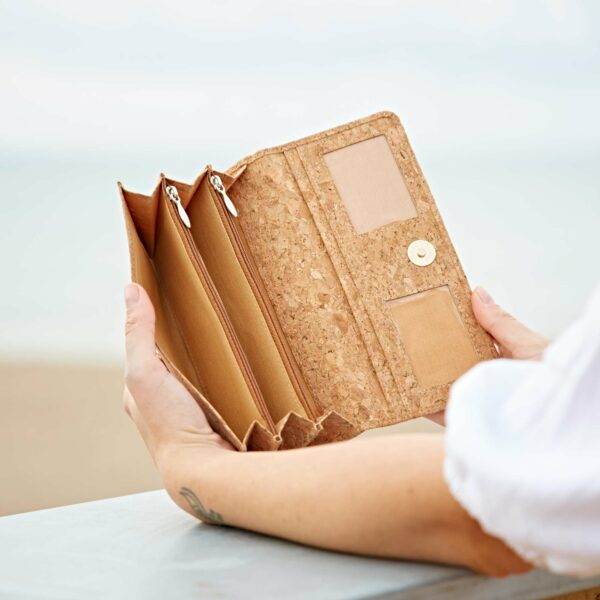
[499,99]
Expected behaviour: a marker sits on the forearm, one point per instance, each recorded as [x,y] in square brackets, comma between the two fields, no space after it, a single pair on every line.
[379,496]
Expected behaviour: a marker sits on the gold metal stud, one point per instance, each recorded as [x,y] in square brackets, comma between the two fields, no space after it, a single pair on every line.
[421,253]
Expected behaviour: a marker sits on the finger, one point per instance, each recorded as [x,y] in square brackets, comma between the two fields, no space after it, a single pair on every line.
[133,411]
[515,338]
[127,402]
[140,344]
[439,418]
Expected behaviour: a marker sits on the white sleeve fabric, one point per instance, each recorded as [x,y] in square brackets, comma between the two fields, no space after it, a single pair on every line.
[523,449]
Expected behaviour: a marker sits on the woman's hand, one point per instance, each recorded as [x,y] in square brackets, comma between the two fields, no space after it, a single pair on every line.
[513,339]
[168,418]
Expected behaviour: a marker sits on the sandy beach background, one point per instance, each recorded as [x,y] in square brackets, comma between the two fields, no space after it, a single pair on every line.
[499,101]
[64,437]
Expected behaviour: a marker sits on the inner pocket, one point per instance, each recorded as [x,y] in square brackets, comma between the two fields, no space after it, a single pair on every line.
[140,221]
[370,184]
[433,335]
[218,370]
[230,265]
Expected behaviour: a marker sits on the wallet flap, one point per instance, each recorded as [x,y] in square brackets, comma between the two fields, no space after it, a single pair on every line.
[346,219]
[385,233]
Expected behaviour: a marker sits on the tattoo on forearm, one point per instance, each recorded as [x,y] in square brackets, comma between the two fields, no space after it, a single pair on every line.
[210,516]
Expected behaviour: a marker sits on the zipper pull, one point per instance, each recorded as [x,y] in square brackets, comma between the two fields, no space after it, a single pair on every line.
[176,200]
[216,182]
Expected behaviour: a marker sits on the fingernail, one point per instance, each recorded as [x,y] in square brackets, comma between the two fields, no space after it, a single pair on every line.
[132,295]
[484,296]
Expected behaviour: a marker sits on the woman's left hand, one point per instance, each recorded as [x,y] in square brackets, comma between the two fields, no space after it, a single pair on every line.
[168,418]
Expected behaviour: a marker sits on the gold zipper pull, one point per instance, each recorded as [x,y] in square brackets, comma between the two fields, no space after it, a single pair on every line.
[176,200]
[216,182]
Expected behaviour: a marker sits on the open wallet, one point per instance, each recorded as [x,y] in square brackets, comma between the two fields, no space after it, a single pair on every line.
[309,292]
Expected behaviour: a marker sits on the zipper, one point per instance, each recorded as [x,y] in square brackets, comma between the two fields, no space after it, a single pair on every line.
[216,301]
[176,200]
[218,186]
[249,266]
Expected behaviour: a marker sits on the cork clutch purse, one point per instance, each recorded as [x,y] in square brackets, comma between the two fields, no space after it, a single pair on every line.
[308,293]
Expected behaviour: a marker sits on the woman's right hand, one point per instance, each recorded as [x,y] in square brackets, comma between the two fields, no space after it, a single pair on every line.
[513,338]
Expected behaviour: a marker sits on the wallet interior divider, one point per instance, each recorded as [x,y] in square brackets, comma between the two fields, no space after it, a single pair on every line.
[304,320]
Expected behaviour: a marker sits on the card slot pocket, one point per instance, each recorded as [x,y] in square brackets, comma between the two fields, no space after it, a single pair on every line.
[230,265]
[433,335]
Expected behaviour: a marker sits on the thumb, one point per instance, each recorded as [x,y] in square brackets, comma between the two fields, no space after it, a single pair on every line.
[515,339]
[140,345]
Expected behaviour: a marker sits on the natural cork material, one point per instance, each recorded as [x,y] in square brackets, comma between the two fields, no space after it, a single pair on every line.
[331,250]
[330,286]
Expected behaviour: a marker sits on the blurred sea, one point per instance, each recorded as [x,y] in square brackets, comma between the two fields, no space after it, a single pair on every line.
[526,227]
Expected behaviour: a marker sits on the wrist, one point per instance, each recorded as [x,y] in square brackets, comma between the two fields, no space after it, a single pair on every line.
[183,460]
[191,476]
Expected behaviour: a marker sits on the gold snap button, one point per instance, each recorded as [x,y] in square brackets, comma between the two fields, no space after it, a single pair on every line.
[421,253]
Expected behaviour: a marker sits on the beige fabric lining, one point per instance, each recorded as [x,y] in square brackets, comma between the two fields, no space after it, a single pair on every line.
[217,371]
[224,267]
[433,336]
[370,184]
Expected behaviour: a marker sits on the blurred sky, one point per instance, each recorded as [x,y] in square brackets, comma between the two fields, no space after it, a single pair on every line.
[499,99]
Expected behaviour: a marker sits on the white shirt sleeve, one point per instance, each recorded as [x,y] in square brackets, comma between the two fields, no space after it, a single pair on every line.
[523,449]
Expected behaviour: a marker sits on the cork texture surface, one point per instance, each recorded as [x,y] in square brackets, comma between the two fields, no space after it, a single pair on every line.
[306,246]
[306,291]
